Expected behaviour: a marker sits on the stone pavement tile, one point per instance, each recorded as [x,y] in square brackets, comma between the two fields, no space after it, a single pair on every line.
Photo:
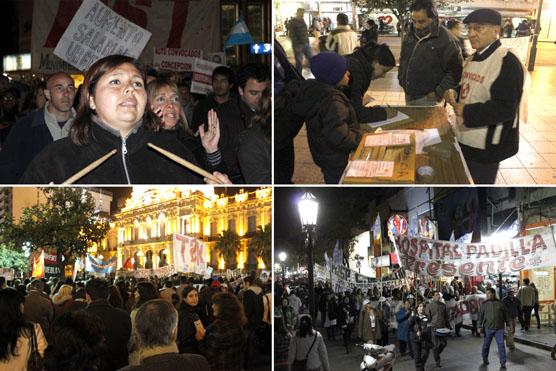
[511,163]
[499,179]
[550,158]
[525,147]
[517,176]
[532,160]
[543,176]
[550,136]
[543,147]
[534,136]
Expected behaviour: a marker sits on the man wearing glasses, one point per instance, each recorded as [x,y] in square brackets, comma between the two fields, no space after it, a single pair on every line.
[490,92]
[430,60]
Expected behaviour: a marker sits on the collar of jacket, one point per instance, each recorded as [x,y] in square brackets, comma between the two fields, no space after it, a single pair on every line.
[487,53]
[435,30]
[148,353]
[111,137]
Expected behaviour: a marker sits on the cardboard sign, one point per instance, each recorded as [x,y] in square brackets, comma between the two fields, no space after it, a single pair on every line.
[444,258]
[201,82]
[176,59]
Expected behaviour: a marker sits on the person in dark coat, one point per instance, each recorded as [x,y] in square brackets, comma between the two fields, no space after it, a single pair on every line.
[420,336]
[402,317]
[367,63]
[224,341]
[332,126]
[157,323]
[299,35]
[39,128]
[430,59]
[117,323]
[112,116]
[190,328]
[346,320]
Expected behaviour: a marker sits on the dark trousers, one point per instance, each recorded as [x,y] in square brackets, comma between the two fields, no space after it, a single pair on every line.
[405,347]
[483,173]
[284,168]
[458,328]
[332,175]
[330,332]
[384,336]
[474,327]
[347,336]
[300,51]
[536,308]
[439,343]
[420,353]
[526,316]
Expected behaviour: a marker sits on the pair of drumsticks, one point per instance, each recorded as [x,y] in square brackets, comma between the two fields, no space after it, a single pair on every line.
[87,169]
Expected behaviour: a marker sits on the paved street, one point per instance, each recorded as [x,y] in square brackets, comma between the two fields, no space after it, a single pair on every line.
[463,353]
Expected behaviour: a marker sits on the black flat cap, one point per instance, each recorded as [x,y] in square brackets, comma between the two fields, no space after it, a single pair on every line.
[487,16]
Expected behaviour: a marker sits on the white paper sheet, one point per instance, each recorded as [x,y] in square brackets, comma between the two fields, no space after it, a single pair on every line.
[387,139]
[370,169]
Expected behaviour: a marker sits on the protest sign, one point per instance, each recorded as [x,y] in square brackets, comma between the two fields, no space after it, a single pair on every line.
[173,24]
[176,59]
[189,254]
[218,58]
[444,258]
[96,31]
[201,83]
[166,271]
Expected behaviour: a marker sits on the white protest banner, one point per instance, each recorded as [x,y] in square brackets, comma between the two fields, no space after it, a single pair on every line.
[201,82]
[95,32]
[183,24]
[166,271]
[7,273]
[176,59]
[189,254]
[444,258]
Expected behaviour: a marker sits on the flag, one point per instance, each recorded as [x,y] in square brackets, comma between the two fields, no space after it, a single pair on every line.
[337,255]
[95,265]
[376,228]
[128,264]
[239,35]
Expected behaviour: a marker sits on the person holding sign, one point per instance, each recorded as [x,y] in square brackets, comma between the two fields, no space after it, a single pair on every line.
[111,136]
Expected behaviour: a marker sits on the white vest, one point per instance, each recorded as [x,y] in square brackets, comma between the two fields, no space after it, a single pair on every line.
[476,81]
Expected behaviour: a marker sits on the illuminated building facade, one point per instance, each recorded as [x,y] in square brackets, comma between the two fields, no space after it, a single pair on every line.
[142,233]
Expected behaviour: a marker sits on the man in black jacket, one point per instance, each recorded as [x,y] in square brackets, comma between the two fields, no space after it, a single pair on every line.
[430,59]
[489,96]
[117,323]
[222,83]
[299,35]
[39,128]
[332,127]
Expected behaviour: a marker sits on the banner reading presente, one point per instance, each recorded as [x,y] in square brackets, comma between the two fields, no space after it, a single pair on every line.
[189,254]
[444,258]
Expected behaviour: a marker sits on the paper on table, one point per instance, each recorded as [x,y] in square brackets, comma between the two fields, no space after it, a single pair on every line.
[400,116]
[370,169]
[387,139]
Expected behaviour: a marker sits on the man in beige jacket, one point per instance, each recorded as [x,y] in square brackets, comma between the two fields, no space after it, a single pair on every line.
[342,40]
[526,296]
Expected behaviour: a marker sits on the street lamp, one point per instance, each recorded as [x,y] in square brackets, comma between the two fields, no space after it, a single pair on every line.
[308,211]
[358,263]
[282,257]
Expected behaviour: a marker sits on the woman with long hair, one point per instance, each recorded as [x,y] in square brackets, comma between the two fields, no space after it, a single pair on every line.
[308,344]
[115,298]
[190,328]
[165,101]
[224,341]
[16,334]
[113,118]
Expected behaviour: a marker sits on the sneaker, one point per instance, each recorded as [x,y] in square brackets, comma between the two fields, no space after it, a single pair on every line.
[485,361]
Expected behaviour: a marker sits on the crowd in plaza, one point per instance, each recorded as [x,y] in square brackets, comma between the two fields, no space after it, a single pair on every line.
[417,313]
[484,93]
[123,106]
[172,323]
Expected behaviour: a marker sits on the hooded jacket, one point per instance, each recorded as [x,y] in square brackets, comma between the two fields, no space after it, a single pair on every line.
[360,76]
[134,162]
[433,63]
[332,127]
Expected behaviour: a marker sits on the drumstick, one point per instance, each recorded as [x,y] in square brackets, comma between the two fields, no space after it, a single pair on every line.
[89,168]
[186,163]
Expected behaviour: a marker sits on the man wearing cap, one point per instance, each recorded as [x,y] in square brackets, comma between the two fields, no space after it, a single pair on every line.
[332,127]
[430,59]
[490,91]
[512,306]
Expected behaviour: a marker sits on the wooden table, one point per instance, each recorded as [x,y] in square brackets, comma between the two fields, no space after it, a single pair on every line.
[445,158]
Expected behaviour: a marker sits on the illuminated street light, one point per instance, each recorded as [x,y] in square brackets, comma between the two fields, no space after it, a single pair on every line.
[308,207]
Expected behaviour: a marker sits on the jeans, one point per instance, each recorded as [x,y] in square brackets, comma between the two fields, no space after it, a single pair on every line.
[300,51]
[499,335]
[536,308]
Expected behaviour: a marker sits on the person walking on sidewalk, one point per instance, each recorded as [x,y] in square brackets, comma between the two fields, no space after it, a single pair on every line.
[402,317]
[493,316]
[438,314]
[299,35]
[526,296]
[536,305]
[512,306]
[420,336]
[308,347]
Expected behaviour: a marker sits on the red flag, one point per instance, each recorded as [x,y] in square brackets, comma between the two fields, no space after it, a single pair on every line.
[394,258]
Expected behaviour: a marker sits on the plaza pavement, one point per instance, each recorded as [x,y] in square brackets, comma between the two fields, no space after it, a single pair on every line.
[535,163]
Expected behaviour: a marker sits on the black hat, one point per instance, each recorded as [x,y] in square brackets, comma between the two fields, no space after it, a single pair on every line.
[488,16]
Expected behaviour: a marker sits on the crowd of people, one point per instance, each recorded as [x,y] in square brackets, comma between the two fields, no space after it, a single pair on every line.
[431,71]
[172,323]
[417,313]
[121,108]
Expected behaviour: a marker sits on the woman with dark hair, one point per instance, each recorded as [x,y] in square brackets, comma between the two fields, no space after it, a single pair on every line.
[165,101]
[282,338]
[369,62]
[114,118]
[308,345]
[254,156]
[224,341]
[114,297]
[16,334]
[190,328]
[77,344]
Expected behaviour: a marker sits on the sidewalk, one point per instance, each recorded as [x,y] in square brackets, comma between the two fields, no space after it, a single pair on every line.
[535,162]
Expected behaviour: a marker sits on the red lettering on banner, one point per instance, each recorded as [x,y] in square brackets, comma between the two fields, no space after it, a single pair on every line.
[517,264]
[419,267]
[490,267]
[66,11]
[502,264]
[433,268]
[412,248]
[457,253]
[482,251]
[524,249]
[471,250]
[449,269]
[514,249]
[131,13]
[179,17]
[538,242]
[466,269]
[423,247]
